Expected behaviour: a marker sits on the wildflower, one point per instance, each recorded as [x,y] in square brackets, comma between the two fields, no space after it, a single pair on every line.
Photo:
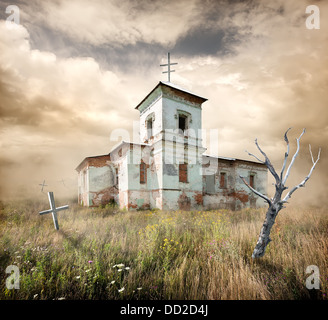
[88,270]
[127,268]
[90,261]
[119,270]
[139,288]
[78,277]
[35,296]
[121,290]
[121,265]
[112,282]
[61,298]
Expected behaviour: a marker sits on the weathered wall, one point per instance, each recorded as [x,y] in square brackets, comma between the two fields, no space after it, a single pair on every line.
[260,179]
[83,187]
[235,195]
[98,184]
[102,188]
[92,178]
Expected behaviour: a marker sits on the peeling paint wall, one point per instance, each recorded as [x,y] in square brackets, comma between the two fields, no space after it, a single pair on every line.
[93,175]
[101,187]
[235,195]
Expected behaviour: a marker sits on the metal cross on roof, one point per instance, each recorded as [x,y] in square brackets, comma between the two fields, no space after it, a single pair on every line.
[43,185]
[53,209]
[168,64]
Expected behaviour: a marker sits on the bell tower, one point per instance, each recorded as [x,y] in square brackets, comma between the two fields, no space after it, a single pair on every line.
[171,123]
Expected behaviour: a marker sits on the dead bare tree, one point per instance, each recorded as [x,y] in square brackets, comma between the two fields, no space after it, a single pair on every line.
[277,202]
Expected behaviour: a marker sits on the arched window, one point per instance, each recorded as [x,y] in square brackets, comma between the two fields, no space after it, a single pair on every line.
[150,125]
[149,128]
[183,120]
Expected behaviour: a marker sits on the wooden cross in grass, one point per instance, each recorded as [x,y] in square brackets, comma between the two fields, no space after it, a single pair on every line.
[63,182]
[43,185]
[53,209]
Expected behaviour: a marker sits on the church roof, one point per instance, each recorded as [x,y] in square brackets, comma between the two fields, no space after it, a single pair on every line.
[233,159]
[127,142]
[105,157]
[92,159]
[172,85]
[175,87]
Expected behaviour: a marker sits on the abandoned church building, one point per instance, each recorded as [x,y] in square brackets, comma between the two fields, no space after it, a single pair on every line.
[168,169]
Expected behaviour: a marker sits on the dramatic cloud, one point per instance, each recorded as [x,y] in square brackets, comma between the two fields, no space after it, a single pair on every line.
[73,71]
[116,22]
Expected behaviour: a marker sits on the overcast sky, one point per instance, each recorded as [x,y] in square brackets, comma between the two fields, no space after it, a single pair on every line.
[72,72]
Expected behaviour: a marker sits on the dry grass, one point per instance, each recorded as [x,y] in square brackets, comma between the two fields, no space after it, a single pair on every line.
[166,255]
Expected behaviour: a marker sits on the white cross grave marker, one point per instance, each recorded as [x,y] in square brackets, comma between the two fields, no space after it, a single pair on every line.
[53,209]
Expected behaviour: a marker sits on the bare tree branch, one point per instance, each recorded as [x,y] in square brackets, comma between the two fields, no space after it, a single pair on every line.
[312,154]
[268,164]
[275,203]
[286,155]
[294,157]
[289,194]
[255,191]
[252,155]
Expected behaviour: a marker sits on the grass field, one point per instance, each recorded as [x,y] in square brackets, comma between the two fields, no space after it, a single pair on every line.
[105,253]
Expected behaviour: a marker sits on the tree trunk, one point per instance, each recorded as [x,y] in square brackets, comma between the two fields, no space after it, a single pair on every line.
[276,203]
[264,237]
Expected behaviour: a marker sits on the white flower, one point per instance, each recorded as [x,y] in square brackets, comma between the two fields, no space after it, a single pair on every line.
[35,296]
[139,288]
[121,290]
[121,265]
[78,277]
[119,270]
[112,282]
[61,298]
[127,268]
[88,270]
